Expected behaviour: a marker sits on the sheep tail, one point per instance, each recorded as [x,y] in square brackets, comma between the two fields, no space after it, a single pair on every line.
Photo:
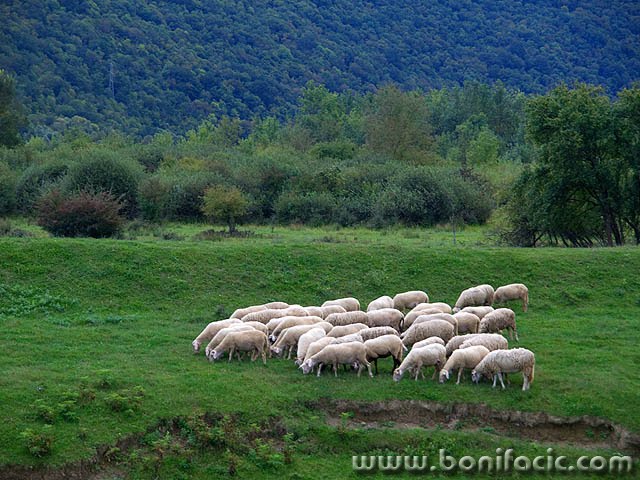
[531,373]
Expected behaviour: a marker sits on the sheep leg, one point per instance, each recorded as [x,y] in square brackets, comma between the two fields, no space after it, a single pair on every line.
[525,385]
[289,356]
[417,373]
[264,356]
[501,382]
[459,375]
[319,369]
[231,354]
[435,369]
[335,369]
[360,367]
[495,378]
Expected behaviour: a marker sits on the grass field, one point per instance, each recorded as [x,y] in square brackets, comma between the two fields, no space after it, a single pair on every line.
[96,340]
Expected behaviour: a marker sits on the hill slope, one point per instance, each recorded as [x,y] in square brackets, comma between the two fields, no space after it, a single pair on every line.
[174,62]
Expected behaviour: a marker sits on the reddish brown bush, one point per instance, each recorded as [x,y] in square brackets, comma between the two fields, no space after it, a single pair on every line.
[84,214]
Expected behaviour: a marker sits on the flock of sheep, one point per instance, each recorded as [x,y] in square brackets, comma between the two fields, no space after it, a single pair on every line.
[467,336]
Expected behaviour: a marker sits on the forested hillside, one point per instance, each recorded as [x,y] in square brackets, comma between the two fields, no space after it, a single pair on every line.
[140,67]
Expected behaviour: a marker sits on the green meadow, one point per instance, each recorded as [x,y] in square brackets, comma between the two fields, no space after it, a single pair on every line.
[96,348]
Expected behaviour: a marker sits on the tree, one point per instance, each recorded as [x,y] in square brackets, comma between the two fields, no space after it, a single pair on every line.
[396,123]
[226,204]
[12,118]
[575,130]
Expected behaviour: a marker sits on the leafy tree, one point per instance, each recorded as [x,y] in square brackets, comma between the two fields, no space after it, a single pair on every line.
[227,204]
[396,123]
[12,118]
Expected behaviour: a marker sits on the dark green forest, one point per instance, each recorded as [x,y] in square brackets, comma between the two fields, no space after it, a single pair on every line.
[143,67]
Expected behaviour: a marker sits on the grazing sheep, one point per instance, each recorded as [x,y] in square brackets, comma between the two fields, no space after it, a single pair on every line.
[467,322]
[348,318]
[329,309]
[288,339]
[461,359]
[492,341]
[407,300]
[381,302]
[431,355]
[443,307]
[513,291]
[314,311]
[288,322]
[434,328]
[375,332]
[274,322]
[385,346]
[218,337]
[350,304]
[429,341]
[342,330]
[506,361]
[354,337]
[241,312]
[386,317]
[210,331]
[413,314]
[498,320]
[242,341]
[306,340]
[458,340]
[336,354]
[264,316]
[475,296]
[318,345]
[277,305]
[436,316]
[261,327]
[480,312]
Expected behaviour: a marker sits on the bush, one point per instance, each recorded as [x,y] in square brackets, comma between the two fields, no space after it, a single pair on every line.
[226,204]
[104,172]
[313,208]
[36,180]
[38,443]
[184,201]
[7,190]
[84,214]
[154,196]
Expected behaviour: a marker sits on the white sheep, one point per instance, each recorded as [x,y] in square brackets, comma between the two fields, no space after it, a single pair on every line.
[288,339]
[498,320]
[242,341]
[429,341]
[474,296]
[381,302]
[375,332]
[513,291]
[506,361]
[415,313]
[342,330]
[461,359]
[492,341]
[314,311]
[263,316]
[434,328]
[218,337]
[261,327]
[350,304]
[385,317]
[336,354]
[316,346]
[241,312]
[210,331]
[354,337]
[480,312]
[274,322]
[288,322]
[441,306]
[385,346]
[431,355]
[348,318]
[437,316]
[329,309]
[456,341]
[306,340]
[406,300]
[467,322]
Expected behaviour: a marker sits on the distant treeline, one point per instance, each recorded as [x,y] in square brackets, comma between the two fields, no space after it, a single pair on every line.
[557,168]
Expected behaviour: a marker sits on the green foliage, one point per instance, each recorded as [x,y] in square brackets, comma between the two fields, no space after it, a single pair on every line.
[12,117]
[7,190]
[103,171]
[127,401]
[312,208]
[224,204]
[36,180]
[83,214]
[16,299]
[38,442]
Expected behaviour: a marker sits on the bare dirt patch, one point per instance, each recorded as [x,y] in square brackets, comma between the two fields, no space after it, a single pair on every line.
[582,431]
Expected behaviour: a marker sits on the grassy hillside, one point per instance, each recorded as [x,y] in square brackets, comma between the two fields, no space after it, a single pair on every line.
[104,317]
